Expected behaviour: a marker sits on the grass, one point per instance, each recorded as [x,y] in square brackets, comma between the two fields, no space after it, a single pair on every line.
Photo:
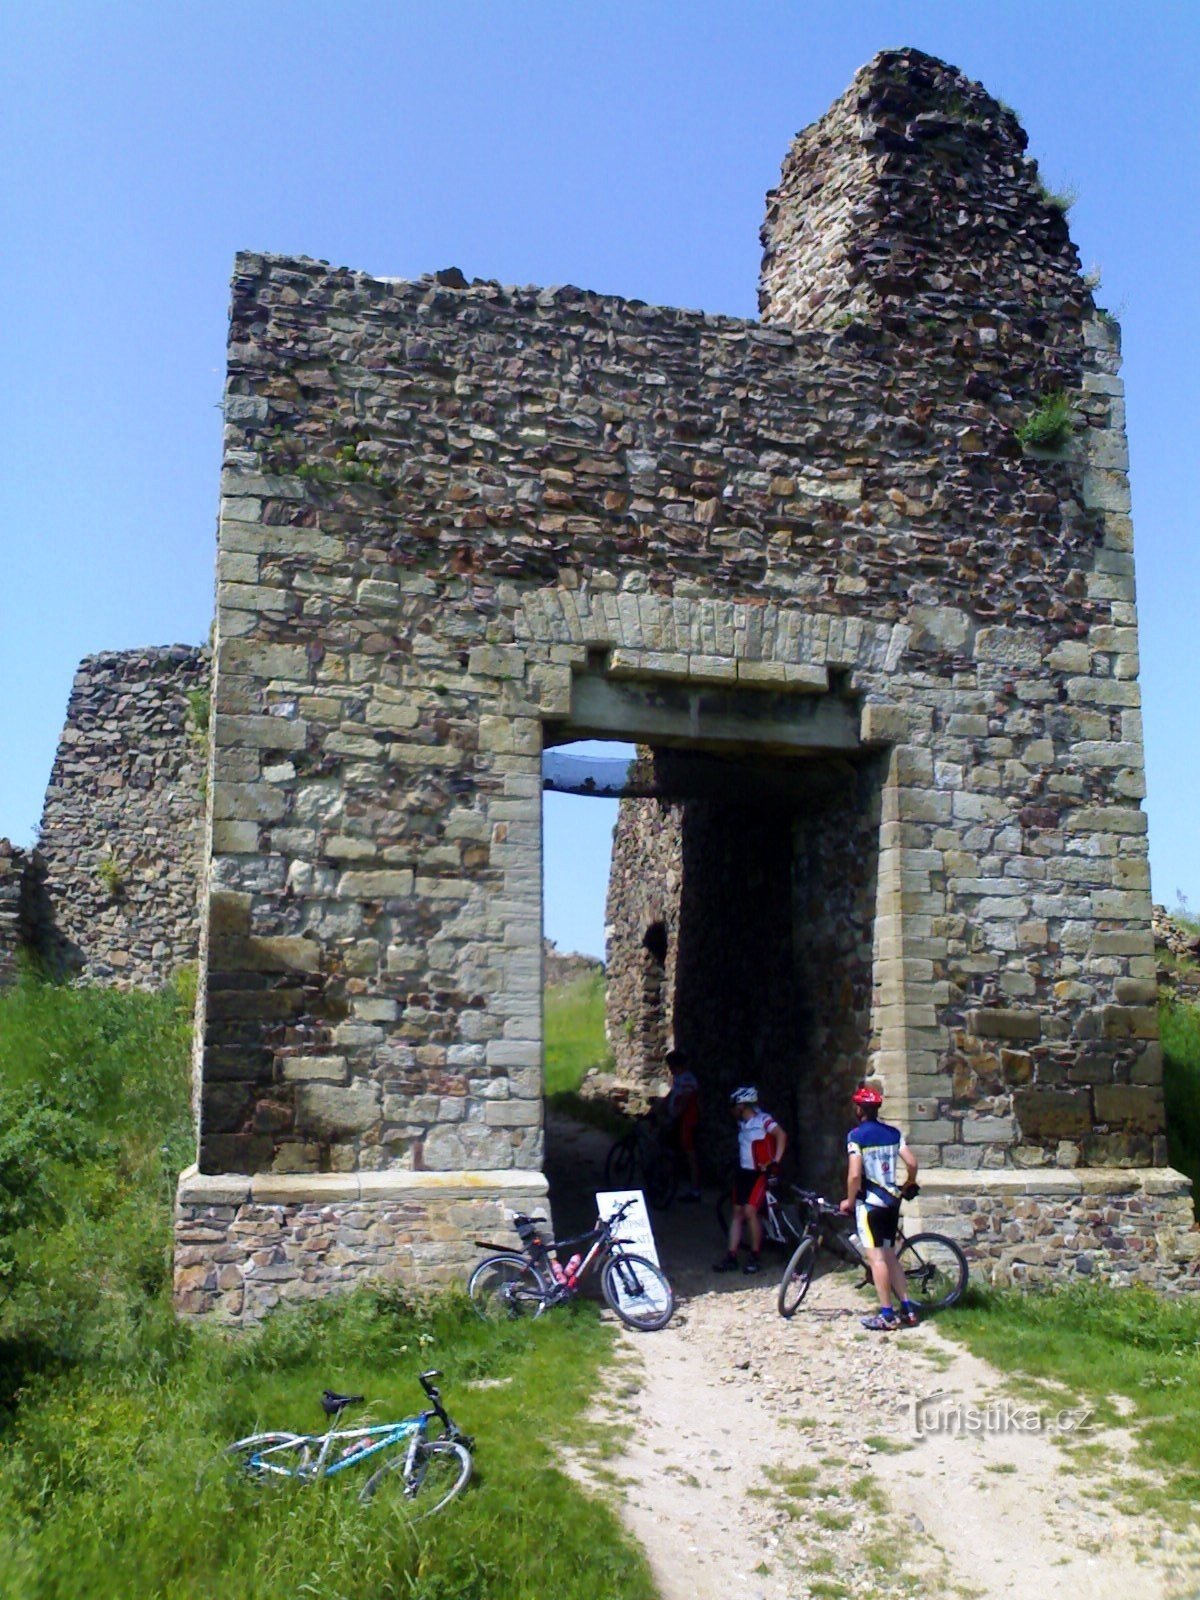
[1097,1343]
[574,1020]
[109,1407]
[1179,1030]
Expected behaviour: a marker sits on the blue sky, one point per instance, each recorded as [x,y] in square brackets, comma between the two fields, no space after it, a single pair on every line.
[626,148]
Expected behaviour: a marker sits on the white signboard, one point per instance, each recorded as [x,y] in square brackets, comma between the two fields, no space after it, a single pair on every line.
[634,1227]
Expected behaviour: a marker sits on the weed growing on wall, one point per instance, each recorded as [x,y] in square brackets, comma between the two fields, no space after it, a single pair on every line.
[110,874]
[1051,425]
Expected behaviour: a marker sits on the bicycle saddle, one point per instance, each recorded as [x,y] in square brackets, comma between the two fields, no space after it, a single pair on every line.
[332,1403]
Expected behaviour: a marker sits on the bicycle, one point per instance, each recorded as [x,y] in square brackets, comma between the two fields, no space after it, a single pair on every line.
[643,1158]
[779,1223]
[515,1284]
[935,1267]
[421,1476]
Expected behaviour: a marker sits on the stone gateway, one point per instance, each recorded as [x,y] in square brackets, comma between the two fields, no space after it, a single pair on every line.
[859,579]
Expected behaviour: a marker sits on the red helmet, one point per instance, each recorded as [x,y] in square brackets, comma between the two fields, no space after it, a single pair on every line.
[867,1096]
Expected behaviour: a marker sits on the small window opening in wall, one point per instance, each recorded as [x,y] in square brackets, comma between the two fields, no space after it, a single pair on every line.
[839,680]
[654,940]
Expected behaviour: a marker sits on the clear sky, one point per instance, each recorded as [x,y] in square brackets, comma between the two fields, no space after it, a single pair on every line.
[622,147]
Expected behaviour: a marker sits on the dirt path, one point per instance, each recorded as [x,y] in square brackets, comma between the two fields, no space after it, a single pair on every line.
[777,1460]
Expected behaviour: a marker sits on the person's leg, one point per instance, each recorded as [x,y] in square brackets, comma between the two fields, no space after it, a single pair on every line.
[896,1275]
[693,1166]
[877,1252]
[735,1230]
[881,1276]
[754,1223]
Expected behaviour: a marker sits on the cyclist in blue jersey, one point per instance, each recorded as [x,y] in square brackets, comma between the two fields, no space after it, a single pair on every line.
[873,1194]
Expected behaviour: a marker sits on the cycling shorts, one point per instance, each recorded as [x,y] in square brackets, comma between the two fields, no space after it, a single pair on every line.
[749,1187]
[877,1225]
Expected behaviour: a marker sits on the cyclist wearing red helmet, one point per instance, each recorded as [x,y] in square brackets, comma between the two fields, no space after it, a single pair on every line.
[874,1195]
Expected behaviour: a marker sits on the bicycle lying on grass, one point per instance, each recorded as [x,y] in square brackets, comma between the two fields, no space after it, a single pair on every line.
[513,1284]
[644,1158]
[415,1473]
[935,1267]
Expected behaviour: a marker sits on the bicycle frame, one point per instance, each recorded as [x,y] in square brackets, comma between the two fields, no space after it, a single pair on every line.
[382,1434]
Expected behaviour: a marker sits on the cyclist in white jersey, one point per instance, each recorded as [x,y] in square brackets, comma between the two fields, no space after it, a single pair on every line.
[873,1194]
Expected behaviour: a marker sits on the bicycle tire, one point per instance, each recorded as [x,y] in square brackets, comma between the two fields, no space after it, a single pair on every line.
[506,1287]
[236,1459]
[621,1163]
[797,1276]
[638,1292]
[936,1270]
[441,1469]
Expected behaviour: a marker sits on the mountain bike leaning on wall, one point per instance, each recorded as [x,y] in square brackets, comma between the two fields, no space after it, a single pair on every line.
[416,1471]
[643,1158]
[523,1284]
[935,1266]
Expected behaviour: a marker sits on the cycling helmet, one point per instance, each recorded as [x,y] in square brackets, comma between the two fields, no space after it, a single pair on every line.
[745,1096]
[868,1096]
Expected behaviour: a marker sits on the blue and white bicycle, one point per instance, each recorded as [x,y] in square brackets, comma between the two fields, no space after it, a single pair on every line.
[417,1472]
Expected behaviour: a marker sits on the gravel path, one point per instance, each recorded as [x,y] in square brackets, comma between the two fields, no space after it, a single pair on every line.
[774,1460]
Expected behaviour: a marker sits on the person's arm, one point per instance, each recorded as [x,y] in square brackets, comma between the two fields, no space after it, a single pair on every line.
[910,1162]
[853,1181]
[780,1138]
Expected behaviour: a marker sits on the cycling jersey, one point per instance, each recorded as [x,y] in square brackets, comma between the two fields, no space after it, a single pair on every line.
[879,1145]
[756,1146]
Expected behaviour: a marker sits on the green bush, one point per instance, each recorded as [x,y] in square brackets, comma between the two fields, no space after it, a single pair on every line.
[94,1125]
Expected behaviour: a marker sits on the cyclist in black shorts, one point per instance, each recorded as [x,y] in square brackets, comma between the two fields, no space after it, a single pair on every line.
[874,1195]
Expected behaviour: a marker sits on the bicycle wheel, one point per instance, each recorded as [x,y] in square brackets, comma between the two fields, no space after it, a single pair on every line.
[621,1164]
[660,1181]
[506,1287]
[638,1292]
[797,1276]
[260,1458]
[441,1468]
[936,1270]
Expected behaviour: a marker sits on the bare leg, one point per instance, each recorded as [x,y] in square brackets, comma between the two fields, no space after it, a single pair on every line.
[735,1230]
[755,1228]
[895,1273]
[880,1274]
[693,1166]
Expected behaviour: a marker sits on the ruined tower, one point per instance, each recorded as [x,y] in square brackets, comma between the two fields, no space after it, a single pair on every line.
[881,642]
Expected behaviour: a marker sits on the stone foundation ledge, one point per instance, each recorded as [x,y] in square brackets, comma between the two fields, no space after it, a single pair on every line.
[245,1243]
[1121,1224]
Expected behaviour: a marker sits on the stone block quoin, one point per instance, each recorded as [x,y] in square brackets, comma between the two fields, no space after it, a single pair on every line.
[446,506]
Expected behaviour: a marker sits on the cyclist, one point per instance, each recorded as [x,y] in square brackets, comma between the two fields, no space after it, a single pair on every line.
[873,1196]
[761,1143]
[680,1112]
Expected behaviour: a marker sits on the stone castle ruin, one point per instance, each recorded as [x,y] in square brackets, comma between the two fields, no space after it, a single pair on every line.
[877,646]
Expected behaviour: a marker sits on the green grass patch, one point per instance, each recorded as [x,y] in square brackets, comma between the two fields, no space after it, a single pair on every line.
[1050,427]
[1179,1029]
[574,1022]
[110,1409]
[1094,1342]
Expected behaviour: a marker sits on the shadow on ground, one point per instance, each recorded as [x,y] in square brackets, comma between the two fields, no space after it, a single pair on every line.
[687,1235]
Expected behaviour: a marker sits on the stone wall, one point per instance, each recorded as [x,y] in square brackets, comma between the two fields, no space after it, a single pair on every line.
[457,515]
[121,831]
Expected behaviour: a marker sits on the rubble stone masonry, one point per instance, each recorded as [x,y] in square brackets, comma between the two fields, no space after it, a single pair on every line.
[121,831]
[459,518]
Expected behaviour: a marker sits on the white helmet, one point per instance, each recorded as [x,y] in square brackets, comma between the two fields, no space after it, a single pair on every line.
[745,1096]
